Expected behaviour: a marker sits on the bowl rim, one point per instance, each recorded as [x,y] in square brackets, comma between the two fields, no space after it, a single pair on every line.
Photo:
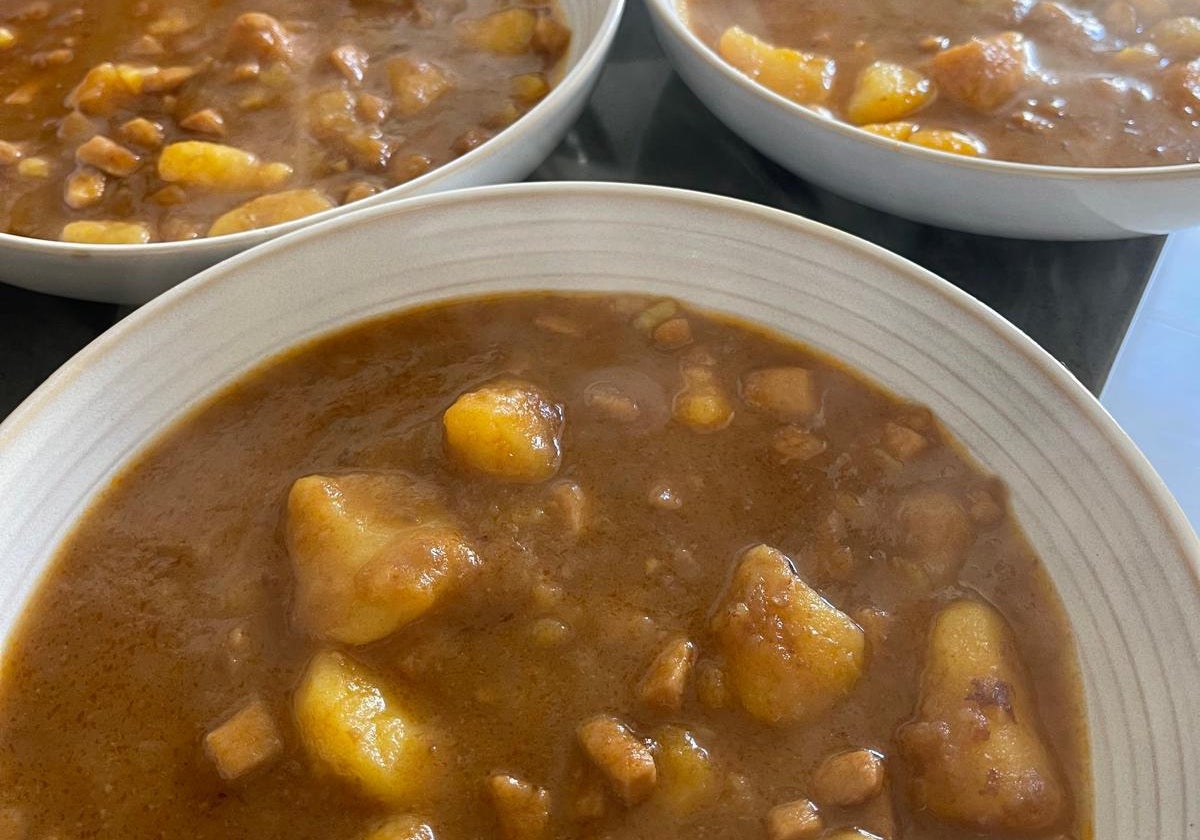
[670,15]
[573,81]
[209,281]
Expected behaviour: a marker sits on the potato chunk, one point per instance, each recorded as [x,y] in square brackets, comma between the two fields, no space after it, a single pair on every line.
[625,761]
[796,820]
[107,87]
[983,73]
[415,85]
[663,685]
[977,756]
[353,727]
[215,166]
[509,32]
[849,778]
[105,232]
[271,209]
[245,742]
[791,654]
[885,92]
[687,777]
[404,827]
[935,535]
[802,77]
[507,430]
[702,402]
[788,393]
[944,140]
[371,552]
[522,808]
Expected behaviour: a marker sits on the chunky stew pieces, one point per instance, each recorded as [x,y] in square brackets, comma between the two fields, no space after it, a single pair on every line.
[537,567]
[1079,83]
[130,121]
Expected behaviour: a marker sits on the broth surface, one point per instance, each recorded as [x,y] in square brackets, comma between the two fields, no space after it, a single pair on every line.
[174,602]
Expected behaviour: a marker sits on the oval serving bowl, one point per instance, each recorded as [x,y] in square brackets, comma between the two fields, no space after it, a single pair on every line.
[133,274]
[995,197]
[1124,560]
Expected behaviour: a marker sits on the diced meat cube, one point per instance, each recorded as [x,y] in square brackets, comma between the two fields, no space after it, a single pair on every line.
[508,32]
[261,36]
[416,85]
[976,753]
[215,166]
[796,444]
[849,778]
[790,654]
[356,728]
[611,401]
[788,393]
[625,761]
[248,740]
[666,679]
[935,535]
[885,91]
[687,778]
[522,808]
[983,73]
[271,209]
[371,553]
[570,503]
[797,820]
[401,828]
[507,430]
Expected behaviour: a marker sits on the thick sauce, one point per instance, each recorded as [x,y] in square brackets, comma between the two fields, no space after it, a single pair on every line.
[174,603]
[1085,83]
[335,100]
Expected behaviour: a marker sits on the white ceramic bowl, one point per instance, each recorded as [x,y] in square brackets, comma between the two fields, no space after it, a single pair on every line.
[978,195]
[134,274]
[1124,560]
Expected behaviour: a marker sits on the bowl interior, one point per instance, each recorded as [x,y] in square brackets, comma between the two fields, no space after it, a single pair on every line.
[1119,550]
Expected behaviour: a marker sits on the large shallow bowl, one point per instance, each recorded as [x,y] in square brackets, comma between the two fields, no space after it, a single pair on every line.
[134,274]
[1124,560]
[973,194]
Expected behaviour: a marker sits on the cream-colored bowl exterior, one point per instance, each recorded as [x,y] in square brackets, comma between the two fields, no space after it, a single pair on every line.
[134,274]
[982,196]
[1123,558]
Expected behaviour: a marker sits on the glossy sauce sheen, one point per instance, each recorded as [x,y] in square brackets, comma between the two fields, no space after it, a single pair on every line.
[284,98]
[1110,83]
[170,604]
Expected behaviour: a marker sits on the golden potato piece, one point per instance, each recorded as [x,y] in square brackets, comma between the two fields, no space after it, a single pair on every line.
[687,779]
[371,552]
[271,209]
[892,130]
[791,655]
[404,827]
[976,753]
[935,535]
[353,727]
[944,140]
[796,820]
[665,680]
[849,778]
[107,87]
[507,430]
[625,761]
[983,73]
[788,393]
[802,77]
[885,92]
[215,166]
[702,403]
[415,85]
[104,232]
[509,32]
[243,743]
[522,808]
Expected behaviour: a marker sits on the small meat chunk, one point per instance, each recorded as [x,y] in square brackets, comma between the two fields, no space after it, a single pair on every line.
[625,761]
[415,85]
[507,430]
[245,742]
[935,535]
[259,36]
[107,87]
[354,727]
[522,808]
[806,78]
[702,403]
[142,132]
[849,778]
[795,444]
[271,209]
[569,503]
[371,553]
[885,91]
[688,780]
[983,73]
[405,827]
[797,820]
[205,121]
[663,685]
[107,156]
[787,393]
[975,747]
[215,166]
[790,654]
[508,32]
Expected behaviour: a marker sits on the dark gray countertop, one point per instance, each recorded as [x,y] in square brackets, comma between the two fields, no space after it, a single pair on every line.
[643,124]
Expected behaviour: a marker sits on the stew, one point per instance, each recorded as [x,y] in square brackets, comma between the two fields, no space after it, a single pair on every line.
[544,566]
[130,121]
[1084,83]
